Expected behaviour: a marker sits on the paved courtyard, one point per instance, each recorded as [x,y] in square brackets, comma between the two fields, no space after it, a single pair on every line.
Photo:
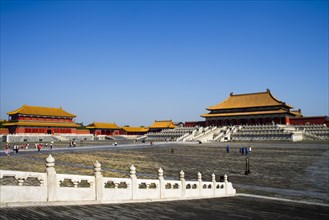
[239,207]
[295,171]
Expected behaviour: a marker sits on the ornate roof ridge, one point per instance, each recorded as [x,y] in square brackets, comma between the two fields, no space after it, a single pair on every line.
[252,93]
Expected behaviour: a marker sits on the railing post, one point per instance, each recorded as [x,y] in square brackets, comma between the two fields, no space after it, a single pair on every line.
[226,184]
[51,178]
[200,183]
[134,184]
[98,181]
[213,179]
[161,183]
[183,184]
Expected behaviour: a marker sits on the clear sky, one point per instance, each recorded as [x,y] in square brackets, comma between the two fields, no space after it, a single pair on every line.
[134,62]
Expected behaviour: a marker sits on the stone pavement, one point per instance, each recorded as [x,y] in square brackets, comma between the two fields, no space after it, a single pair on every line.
[238,207]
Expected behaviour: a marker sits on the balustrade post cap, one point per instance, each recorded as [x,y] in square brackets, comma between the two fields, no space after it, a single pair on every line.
[50,159]
[225,178]
[132,170]
[182,174]
[160,170]
[132,167]
[97,164]
[199,176]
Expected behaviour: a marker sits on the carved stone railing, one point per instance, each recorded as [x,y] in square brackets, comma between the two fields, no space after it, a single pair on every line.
[17,186]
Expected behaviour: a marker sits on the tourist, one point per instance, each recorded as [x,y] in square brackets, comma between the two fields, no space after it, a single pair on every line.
[7,150]
[16,149]
[39,147]
[51,145]
[246,150]
[242,150]
[227,149]
[26,146]
[249,149]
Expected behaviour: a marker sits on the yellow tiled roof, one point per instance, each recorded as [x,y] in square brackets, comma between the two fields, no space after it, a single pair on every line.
[297,113]
[101,125]
[249,100]
[163,124]
[41,124]
[244,113]
[42,111]
[135,129]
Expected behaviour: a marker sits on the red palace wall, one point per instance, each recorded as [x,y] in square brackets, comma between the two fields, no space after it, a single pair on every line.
[85,131]
[4,131]
[309,120]
[43,119]
[194,123]
[105,132]
[21,130]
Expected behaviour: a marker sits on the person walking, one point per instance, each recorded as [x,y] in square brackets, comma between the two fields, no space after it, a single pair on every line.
[16,149]
[228,149]
[7,150]
[39,147]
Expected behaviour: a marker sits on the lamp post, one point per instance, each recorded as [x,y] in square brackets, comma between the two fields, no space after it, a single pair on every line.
[247,166]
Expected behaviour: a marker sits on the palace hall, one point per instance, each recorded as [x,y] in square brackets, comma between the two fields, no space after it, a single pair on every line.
[36,119]
[251,108]
[162,124]
[102,128]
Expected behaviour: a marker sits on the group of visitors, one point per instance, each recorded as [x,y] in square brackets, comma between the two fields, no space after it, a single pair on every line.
[245,150]
[17,147]
[73,144]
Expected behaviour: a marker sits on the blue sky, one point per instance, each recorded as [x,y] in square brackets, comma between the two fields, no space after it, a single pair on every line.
[134,62]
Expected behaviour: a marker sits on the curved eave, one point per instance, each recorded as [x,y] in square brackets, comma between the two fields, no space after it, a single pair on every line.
[245,114]
[103,126]
[161,127]
[40,124]
[132,129]
[15,111]
[118,128]
[266,106]
[69,115]
[283,103]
